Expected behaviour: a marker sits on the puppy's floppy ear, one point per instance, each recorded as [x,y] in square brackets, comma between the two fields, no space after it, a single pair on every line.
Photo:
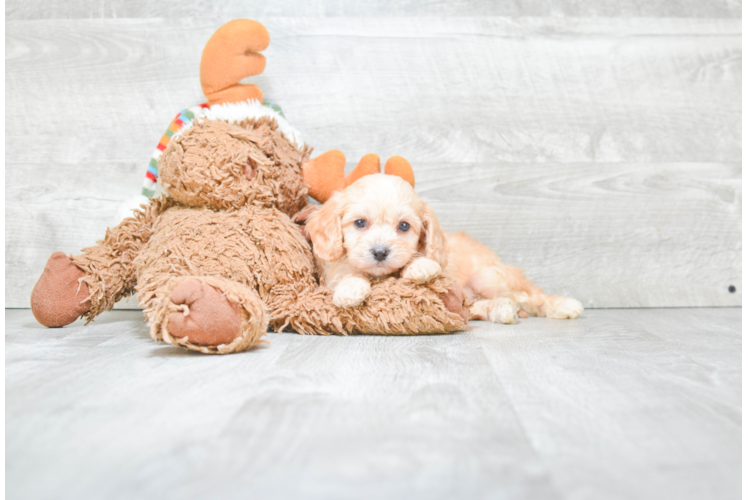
[325,229]
[433,244]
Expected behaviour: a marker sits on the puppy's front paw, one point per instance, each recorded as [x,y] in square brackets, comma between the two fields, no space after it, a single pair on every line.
[566,309]
[351,291]
[422,270]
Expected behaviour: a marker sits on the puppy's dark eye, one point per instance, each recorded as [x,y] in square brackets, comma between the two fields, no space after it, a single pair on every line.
[360,223]
[403,226]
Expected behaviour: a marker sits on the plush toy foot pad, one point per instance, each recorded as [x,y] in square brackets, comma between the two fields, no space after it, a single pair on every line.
[58,297]
[208,317]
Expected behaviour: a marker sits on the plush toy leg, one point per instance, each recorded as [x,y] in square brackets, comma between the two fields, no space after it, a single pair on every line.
[209,314]
[87,284]
[109,267]
[395,307]
[60,296]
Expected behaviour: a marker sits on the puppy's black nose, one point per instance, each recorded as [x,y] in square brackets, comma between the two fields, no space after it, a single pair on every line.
[380,253]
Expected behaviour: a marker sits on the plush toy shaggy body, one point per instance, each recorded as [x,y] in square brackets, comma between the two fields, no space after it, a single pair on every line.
[218,261]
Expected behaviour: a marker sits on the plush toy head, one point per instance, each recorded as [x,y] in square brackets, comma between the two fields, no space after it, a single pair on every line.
[222,166]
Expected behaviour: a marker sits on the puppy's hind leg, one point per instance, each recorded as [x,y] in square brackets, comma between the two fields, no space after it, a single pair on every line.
[536,301]
[568,308]
[510,282]
[502,310]
[496,302]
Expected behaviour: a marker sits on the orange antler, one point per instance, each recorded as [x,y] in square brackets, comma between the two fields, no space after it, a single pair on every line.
[230,55]
[369,164]
[399,166]
[325,173]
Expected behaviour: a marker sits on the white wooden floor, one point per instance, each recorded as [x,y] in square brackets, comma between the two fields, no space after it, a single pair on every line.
[637,403]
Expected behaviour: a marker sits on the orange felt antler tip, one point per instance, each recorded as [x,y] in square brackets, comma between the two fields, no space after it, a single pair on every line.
[230,55]
[399,166]
[368,165]
[325,174]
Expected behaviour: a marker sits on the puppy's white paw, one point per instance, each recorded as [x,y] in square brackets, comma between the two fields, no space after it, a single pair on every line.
[505,311]
[422,270]
[351,291]
[566,309]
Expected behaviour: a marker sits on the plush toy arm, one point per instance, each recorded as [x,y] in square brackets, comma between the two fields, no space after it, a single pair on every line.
[395,307]
[109,266]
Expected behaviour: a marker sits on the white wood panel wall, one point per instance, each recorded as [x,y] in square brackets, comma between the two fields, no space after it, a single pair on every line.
[599,151]
[73,9]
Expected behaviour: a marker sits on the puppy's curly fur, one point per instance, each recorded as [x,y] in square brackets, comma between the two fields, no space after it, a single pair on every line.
[378,226]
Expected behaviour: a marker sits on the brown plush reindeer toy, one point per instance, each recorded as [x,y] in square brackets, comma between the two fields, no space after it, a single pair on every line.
[218,260]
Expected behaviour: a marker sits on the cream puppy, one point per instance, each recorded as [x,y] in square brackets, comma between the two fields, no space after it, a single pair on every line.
[378,226]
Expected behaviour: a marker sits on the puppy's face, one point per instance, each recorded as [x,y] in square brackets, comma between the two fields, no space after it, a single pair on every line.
[379,224]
